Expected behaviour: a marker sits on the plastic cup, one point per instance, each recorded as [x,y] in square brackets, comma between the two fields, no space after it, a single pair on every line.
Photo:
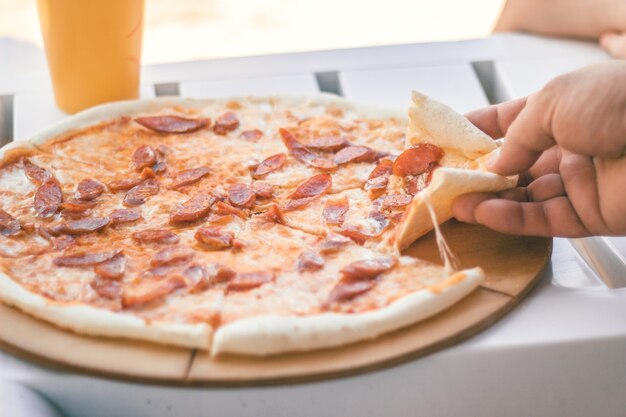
[93,49]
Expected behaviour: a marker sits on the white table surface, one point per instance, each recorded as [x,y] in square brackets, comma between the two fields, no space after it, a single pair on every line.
[559,353]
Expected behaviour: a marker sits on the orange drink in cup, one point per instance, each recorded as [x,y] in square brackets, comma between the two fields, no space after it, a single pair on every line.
[93,49]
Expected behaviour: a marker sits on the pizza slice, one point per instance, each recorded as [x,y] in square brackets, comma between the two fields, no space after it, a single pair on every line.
[462,151]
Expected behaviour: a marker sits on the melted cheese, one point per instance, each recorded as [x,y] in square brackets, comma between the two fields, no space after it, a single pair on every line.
[450,261]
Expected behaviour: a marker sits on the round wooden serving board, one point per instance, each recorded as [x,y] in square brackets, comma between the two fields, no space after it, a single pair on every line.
[512,265]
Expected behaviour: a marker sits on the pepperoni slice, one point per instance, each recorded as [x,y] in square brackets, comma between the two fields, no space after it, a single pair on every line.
[62,242]
[393,201]
[274,214]
[320,163]
[151,290]
[415,184]
[359,235]
[214,238]
[124,216]
[219,218]
[225,123]
[89,189]
[289,139]
[125,184]
[346,291]
[193,209]
[415,160]
[327,143]
[9,226]
[112,269]
[249,280]
[270,164]
[379,177]
[356,234]
[303,154]
[156,236]
[335,211]
[77,206]
[313,187]
[44,232]
[298,203]
[36,174]
[159,272]
[27,227]
[383,169]
[263,189]
[251,135]
[225,209]
[333,242]
[163,150]
[84,226]
[309,260]
[75,215]
[378,183]
[48,198]
[195,274]
[172,255]
[147,173]
[85,258]
[189,176]
[197,277]
[107,288]
[355,154]
[223,273]
[367,268]
[139,194]
[143,157]
[241,195]
[173,124]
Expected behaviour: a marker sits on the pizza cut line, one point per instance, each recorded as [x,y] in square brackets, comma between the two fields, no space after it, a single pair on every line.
[253,226]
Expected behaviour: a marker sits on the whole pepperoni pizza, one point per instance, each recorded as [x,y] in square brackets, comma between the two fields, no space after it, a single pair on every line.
[252,225]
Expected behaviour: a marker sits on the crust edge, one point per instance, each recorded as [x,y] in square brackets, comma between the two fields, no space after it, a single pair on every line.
[288,334]
[93,321]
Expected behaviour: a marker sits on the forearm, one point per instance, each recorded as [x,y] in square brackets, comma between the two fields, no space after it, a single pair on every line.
[577,18]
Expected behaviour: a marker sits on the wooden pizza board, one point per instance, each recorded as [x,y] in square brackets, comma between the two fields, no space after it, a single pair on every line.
[512,265]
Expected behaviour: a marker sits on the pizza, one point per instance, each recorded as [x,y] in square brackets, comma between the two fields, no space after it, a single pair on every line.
[249,225]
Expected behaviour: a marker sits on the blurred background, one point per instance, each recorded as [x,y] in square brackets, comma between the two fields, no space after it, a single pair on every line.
[179,30]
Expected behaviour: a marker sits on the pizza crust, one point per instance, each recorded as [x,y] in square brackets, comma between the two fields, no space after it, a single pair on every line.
[99,322]
[268,335]
[436,123]
[108,111]
[446,185]
[13,150]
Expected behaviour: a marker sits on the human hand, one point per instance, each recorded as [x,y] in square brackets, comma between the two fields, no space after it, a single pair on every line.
[614,43]
[567,142]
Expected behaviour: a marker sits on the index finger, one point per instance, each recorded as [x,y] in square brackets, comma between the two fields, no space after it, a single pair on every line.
[527,137]
[496,119]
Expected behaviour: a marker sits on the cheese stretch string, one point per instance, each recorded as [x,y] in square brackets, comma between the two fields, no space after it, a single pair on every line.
[450,261]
